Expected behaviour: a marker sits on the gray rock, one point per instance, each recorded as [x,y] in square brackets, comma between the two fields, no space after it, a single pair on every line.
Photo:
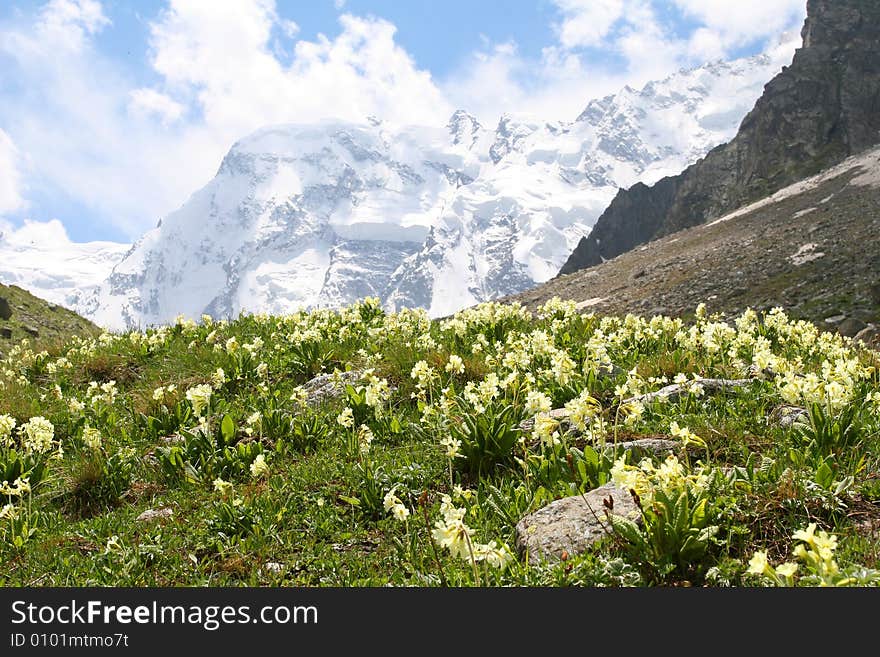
[559,414]
[851,327]
[325,387]
[6,333]
[32,331]
[5,310]
[835,319]
[154,514]
[652,445]
[571,524]
[786,416]
[868,335]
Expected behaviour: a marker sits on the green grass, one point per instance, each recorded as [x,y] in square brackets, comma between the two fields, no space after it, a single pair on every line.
[318,516]
[53,323]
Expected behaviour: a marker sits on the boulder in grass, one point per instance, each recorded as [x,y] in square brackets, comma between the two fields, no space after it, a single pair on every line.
[572,524]
[154,514]
[5,309]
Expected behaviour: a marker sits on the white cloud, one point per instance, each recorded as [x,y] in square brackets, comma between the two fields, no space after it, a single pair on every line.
[146,102]
[636,35]
[744,21]
[224,60]
[69,22]
[10,177]
[587,22]
[131,154]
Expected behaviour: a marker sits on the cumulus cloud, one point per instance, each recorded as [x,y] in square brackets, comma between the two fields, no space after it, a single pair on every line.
[587,22]
[131,154]
[10,177]
[737,23]
[149,102]
[603,45]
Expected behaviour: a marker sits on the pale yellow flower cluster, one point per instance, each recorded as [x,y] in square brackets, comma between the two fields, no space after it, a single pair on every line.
[815,551]
[101,393]
[161,392]
[259,467]
[38,435]
[200,397]
[670,477]
[394,506]
[92,438]
[7,424]
[454,535]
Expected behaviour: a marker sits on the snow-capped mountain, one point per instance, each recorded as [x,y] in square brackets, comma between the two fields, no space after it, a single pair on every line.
[441,218]
[40,257]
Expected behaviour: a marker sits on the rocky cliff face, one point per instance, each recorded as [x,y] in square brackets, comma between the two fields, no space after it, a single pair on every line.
[815,113]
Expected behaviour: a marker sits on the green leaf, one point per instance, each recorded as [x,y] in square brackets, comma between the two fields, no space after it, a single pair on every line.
[350,500]
[824,476]
[227,429]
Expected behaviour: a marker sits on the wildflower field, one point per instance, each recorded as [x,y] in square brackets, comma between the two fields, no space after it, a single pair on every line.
[205,453]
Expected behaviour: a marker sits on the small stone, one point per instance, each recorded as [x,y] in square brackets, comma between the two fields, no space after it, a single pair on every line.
[571,524]
[786,416]
[653,445]
[851,327]
[153,514]
[835,319]
[6,333]
[30,330]
[5,310]
[869,335]
[274,567]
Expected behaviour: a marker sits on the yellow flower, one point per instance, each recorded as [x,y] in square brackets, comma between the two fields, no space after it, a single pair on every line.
[807,535]
[758,564]
[455,365]
[222,487]
[259,468]
[346,418]
[92,438]
[786,570]
[200,397]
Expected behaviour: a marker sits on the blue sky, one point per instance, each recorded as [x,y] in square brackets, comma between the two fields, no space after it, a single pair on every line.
[112,112]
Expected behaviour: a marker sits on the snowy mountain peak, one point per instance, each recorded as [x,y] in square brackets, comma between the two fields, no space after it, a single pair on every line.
[464,128]
[323,214]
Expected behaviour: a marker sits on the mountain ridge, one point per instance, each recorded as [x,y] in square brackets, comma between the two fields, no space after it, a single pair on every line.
[318,216]
[813,114]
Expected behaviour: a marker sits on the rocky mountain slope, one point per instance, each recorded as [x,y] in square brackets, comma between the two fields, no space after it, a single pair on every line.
[22,315]
[810,248]
[321,215]
[816,112]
